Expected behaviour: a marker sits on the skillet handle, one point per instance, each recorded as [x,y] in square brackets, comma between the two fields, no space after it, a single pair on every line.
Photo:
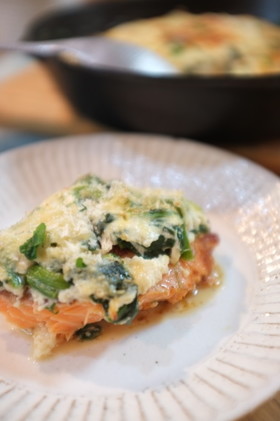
[40,50]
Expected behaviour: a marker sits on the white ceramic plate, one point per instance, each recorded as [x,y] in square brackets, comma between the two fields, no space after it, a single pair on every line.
[214,363]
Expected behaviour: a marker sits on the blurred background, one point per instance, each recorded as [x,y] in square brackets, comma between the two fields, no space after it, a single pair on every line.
[16,14]
[31,106]
[32,109]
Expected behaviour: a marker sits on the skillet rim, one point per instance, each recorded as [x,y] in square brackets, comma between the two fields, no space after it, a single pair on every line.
[268,80]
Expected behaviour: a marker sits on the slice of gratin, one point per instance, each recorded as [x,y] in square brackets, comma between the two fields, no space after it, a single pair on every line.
[100,251]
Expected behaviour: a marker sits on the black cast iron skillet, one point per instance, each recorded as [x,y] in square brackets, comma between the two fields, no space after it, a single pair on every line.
[214,109]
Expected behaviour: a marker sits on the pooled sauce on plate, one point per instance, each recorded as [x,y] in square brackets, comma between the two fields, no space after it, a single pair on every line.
[147,318]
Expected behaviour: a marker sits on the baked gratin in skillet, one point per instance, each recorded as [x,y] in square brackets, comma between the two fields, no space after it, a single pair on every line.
[97,251]
[207,43]
[224,106]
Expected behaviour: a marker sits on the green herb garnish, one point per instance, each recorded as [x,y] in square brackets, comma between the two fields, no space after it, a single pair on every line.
[30,247]
[80,263]
[177,47]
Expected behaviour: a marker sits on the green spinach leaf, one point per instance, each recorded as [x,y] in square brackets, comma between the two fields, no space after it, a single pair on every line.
[30,247]
[127,313]
[115,274]
[201,229]
[88,332]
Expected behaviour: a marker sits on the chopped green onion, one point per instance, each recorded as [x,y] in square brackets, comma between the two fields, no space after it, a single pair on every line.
[47,282]
[159,213]
[15,280]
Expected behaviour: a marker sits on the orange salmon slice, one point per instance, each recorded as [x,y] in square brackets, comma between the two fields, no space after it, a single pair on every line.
[68,318]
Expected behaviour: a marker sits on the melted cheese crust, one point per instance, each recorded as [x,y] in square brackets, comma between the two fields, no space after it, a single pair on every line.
[83,224]
[207,43]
